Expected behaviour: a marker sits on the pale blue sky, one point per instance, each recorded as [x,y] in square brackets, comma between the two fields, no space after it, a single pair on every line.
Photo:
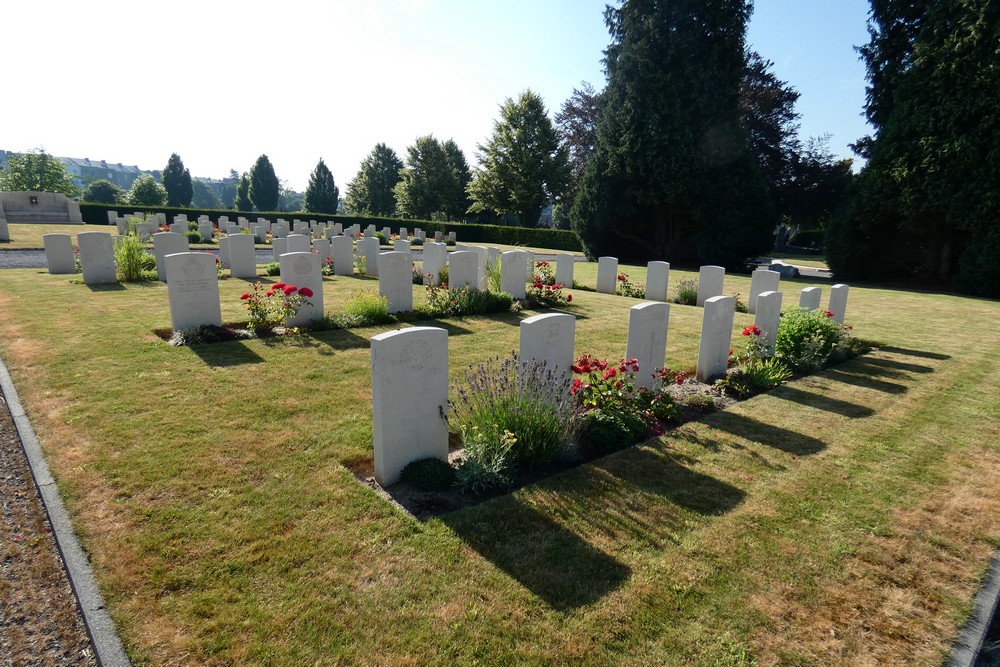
[223,81]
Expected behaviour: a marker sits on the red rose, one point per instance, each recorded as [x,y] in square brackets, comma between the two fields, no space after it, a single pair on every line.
[618,384]
[290,290]
[278,286]
[306,292]
[577,383]
[569,297]
[269,294]
[245,296]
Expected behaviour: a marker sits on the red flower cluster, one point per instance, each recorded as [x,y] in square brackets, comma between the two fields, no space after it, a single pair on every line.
[752,330]
[587,363]
[306,292]
[622,277]
[828,313]
[290,290]
[245,296]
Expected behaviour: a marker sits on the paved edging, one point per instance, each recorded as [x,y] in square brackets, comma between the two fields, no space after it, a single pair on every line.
[107,646]
[970,642]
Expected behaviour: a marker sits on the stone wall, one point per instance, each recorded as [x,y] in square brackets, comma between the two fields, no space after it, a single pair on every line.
[39,207]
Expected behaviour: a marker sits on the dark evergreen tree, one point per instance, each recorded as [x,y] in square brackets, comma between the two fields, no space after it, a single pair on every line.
[426,180]
[322,195]
[371,191]
[177,182]
[456,200]
[672,177]
[264,185]
[205,197]
[242,201]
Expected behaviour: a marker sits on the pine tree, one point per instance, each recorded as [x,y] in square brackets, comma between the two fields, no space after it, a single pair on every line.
[242,202]
[177,182]
[264,186]
[456,200]
[322,195]
[671,176]
[371,191]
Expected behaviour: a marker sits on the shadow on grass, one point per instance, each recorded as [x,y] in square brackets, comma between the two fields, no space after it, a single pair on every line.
[859,378]
[230,353]
[107,287]
[915,353]
[898,365]
[821,402]
[784,439]
[546,558]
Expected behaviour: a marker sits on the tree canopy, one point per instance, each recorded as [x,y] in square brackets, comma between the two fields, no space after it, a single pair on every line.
[322,194]
[102,192]
[426,182]
[264,185]
[146,192]
[204,196]
[672,176]
[371,191]
[242,201]
[177,182]
[36,171]
[577,126]
[522,166]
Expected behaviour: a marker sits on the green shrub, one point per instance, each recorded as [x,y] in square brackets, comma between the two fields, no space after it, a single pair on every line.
[272,269]
[687,293]
[365,308]
[603,432]
[755,377]
[416,241]
[741,305]
[807,338]
[456,302]
[193,237]
[486,463]
[429,474]
[201,335]
[698,402]
[192,226]
[132,260]
[494,279]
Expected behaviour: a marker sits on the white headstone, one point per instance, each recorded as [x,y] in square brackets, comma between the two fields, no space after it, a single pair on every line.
[4,229]
[401,246]
[647,339]
[167,243]
[607,275]
[513,273]
[224,251]
[810,297]
[409,368]
[395,280]
[768,315]
[59,253]
[338,228]
[493,255]
[657,281]
[461,247]
[484,256]
[452,237]
[121,225]
[564,269]
[278,248]
[179,228]
[716,337]
[761,280]
[463,269]
[322,248]
[710,282]
[368,247]
[438,236]
[242,258]
[302,269]
[343,255]
[435,259]
[206,230]
[387,233]
[260,233]
[838,301]
[549,339]
[403,234]
[112,217]
[192,290]
[97,258]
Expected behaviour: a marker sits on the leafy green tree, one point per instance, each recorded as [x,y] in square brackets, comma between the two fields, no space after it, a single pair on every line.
[264,185]
[371,192]
[146,192]
[177,182]
[426,181]
[322,194]
[242,201]
[522,165]
[456,200]
[290,200]
[103,192]
[36,171]
[925,205]
[672,176]
[204,196]
[577,126]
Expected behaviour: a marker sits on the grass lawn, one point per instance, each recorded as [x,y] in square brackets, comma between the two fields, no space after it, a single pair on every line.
[818,261]
[845,518]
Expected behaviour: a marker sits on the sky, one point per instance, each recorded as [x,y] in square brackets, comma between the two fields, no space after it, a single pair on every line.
[220,82]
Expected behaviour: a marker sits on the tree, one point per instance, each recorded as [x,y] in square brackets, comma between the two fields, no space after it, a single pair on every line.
[242,201]
[456,202]
[146,192]
[577,126]
[322,195]
[103,192]
[264,185]
[371,191]
[290,200]
[522,165]
[204,196]
[36,171]
[925,205]
[177,182]
[671,176]
[426,181]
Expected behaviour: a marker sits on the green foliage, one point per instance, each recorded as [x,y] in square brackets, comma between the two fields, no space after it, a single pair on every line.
[429,475]
[272,269]
[264,185]
[382,240]
[522,164]
[739,305]
[204,196]
[366,308]
[487,461]
[372,190]
[606,431]
[242,202]
[807,338]
[671,175]
[201,335]
[429,183]
[687,293]
[456,302]
[577,126]
[36,171]
[755,376]
[146,192]
[177,182]
[103,192]
[630,289]
[132,260]
[193,237]
[322,194]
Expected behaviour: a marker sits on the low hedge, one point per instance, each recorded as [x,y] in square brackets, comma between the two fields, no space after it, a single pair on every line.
[555,239]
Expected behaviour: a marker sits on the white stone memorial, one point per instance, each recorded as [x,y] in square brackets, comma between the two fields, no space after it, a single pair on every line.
[206,231]
[302,269]
[343,255]
[368,247]
[607,275]
[401,245]
[435,259]
[810,297]
[647,339]
[838,301]
[761,280]
[278,248]
[710,283]
[112,217]
[97,258]
[322,248]
[59,253]
[242,258]
[657,281]
[564,269]
[463,269]
[513,273]
[224,251]
[192,290]
[167,243]
[716,337]
[395,280]
[549,339]
[298,243]
[409,368]
[768,315]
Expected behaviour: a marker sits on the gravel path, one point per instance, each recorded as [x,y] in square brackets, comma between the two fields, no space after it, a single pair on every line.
[40,623]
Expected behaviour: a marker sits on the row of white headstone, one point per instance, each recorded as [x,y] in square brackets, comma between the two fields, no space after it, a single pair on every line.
[410,367]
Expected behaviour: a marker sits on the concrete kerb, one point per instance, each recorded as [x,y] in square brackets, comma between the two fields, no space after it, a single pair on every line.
[970,643]
[107,646]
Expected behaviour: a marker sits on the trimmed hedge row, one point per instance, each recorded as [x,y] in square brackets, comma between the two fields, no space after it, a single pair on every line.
[555,239]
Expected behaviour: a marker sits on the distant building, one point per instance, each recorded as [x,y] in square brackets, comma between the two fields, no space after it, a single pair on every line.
[85,170]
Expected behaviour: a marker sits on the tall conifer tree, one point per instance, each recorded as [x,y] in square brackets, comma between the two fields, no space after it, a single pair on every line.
[322,194]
